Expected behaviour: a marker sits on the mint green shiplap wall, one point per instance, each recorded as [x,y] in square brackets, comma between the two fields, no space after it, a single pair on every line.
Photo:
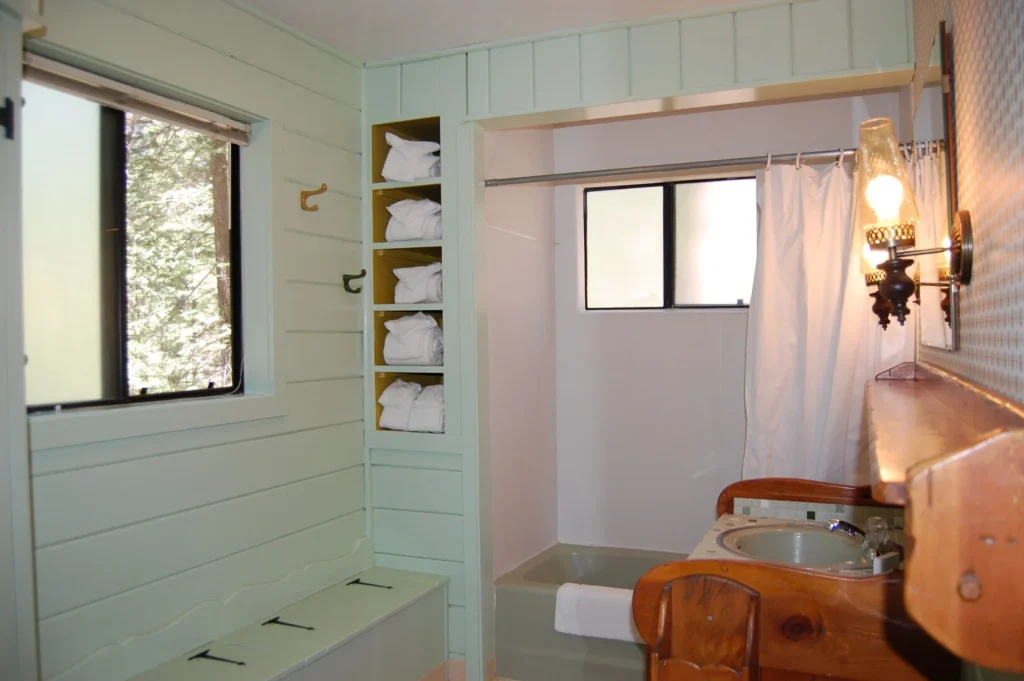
[773,43]
[149,546]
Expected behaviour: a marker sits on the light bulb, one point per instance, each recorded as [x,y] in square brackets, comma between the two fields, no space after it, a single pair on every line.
[946,243]
[874,257]
[884,195]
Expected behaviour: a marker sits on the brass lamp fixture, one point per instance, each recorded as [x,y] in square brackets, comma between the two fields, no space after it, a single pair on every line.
[886,211]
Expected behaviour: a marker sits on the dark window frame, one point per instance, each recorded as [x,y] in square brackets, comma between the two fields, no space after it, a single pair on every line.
[668,247]
[113,273]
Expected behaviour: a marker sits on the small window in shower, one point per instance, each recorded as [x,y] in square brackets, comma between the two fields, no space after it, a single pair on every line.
[671,245]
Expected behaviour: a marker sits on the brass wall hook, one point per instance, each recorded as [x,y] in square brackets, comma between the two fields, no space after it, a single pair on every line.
[304,196]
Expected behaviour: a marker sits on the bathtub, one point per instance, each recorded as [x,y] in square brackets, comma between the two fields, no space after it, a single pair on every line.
[529,648]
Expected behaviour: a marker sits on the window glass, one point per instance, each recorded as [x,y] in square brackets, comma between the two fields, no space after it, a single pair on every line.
[715,242]
[178,258]
[61,212]
[130,231]
[624,247]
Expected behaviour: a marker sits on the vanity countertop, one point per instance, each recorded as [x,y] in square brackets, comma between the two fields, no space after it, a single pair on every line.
[710,549]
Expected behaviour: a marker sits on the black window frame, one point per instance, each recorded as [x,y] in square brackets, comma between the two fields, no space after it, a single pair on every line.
[113,275]
[668,246]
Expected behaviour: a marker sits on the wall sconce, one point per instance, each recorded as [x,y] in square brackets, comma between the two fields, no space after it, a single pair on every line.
[886,211]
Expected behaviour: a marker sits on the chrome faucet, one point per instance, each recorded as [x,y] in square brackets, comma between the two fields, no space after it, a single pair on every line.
[836,525]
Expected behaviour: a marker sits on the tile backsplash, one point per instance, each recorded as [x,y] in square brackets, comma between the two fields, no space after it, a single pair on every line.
[802,510]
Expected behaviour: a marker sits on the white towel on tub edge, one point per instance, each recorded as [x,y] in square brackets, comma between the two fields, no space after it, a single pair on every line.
[596,611]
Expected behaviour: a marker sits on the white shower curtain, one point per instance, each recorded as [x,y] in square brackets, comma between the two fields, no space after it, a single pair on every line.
[812,340]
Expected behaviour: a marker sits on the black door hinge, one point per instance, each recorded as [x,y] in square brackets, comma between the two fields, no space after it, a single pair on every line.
[7,114]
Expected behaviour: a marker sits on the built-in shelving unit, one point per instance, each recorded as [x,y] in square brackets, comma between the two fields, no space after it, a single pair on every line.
[389,256]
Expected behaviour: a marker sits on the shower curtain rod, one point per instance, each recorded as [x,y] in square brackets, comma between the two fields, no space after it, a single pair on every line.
[749,161]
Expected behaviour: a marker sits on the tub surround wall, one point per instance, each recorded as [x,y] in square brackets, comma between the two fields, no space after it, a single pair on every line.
[679,390]
[521,339]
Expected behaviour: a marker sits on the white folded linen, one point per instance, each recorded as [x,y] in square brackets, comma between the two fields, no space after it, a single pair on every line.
[414,220]
[414,340]
[418,284]
[408,161]
[596,611]
[397,400]
[428,411]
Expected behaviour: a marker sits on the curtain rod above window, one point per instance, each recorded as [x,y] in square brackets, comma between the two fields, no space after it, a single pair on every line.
[721,164]
[128,98]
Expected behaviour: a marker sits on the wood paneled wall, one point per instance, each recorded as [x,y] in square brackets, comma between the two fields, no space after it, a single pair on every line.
[149,546]
[778,43]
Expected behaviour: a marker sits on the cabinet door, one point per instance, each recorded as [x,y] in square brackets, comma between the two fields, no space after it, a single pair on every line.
[17,606]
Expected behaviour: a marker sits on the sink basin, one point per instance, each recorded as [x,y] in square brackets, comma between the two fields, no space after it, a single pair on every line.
[808,546]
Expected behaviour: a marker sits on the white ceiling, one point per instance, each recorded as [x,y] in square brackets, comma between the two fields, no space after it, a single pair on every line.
[374,30]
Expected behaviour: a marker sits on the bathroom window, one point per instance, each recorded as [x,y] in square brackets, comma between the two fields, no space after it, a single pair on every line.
[130,251]
[671,245]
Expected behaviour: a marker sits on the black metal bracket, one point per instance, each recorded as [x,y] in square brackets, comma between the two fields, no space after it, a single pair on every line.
[280,622]
[347,279]
[205,655]
[7,117]
[360,582]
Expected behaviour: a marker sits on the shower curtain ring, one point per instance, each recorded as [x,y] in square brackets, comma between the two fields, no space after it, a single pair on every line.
[839,159]
[798,162]
[768,163]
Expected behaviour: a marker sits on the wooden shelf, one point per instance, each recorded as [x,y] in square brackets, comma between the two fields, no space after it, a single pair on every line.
[380,332]
[420,129]
[430,182]
[382,379]
[927,415]
[413,307]
[953,453]
[387,260]
[387,368]
[381,197]
[391,245]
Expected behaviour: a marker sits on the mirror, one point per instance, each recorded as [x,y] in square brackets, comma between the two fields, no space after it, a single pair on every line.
[932,174]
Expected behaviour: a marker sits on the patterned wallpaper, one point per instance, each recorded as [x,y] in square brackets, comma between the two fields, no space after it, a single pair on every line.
[989,89]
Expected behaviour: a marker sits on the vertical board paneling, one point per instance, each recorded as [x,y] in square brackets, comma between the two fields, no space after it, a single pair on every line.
[604,66]
[409,489]
[879,33]
[511,79]
[763,45]
[383,93]
[457,630]
[821,36]
[709,52]
[452,85]
[655,59]
[455,572]
[556,77]
[421,89]
[478,75]
[418,535]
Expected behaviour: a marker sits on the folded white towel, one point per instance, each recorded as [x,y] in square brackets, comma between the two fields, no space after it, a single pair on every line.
[418,284]
[428,411]
[397,400]
[414,340]
[596,611]
[408,161]
[414,220]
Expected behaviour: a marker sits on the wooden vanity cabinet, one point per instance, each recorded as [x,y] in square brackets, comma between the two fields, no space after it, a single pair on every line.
[802,625]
